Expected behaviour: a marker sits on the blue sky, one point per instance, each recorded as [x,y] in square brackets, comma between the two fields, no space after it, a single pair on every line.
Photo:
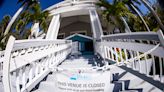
[11,6]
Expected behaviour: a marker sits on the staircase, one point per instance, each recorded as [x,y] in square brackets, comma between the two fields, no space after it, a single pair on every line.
[132,81]
[72,63]
[37,65]
[123,79]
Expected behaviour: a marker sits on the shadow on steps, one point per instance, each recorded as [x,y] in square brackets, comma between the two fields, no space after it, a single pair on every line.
[144,77]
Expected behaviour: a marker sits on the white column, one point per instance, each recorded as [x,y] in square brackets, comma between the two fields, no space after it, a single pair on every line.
[35,30]
[53,27]
[96,25]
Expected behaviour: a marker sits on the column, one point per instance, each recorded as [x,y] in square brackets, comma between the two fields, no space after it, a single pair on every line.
[53,27]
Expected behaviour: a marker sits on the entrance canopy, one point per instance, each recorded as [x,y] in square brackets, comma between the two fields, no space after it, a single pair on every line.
[82,43]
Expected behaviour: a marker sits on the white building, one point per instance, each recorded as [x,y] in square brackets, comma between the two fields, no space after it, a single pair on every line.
[123,62]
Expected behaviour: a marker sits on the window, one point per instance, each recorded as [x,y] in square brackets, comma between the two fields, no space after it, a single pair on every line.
[61,36]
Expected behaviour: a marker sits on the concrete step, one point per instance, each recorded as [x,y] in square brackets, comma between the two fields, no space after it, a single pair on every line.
[111,87]
[129,91]
[147,87]
[74,66]
[51,77]
[39,90]
[155,90]
[75,62]
[48,86]
[133,80]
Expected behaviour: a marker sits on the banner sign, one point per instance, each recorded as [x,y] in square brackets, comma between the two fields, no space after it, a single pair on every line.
[83,82]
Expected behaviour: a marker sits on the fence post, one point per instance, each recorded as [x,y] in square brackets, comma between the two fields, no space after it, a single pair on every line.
[161,37]
[6,64]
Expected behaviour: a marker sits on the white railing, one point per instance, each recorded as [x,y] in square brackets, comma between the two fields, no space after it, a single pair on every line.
[139,51]
[1,63]
[27,62]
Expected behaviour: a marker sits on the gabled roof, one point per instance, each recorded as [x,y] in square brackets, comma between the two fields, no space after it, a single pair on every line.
[80,35]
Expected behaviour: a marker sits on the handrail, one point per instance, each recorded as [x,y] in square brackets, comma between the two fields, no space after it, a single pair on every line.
[142,55]
[37,42]
[27,62]
[135,35]
[133,49]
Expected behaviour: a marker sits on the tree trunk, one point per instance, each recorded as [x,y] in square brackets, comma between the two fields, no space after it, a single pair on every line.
[154,13]
[12,21]
[139,14]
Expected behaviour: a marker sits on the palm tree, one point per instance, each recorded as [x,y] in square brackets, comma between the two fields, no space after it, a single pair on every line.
[25,4]
[32,14]
[154,13]
[116,12]
[3,25]
[135,9]
[136,24]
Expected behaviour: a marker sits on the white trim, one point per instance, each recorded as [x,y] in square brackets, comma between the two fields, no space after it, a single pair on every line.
[79,35]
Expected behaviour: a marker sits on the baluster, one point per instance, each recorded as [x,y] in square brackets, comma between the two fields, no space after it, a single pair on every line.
[112,53]
[105,52]
[160,67]
[31,72]
[57,57]
[52,59]
[23,78]
[116,55]
[109,55]
[18,81]
[106,49]
[139,62]
[163,70]
[140,41]
[133,62]
[46,62]
[36,69]
[49,61]
[61,57]
[42,65]
[39,67]
[64,55]
[148,42]
[120,51]
[146,65]
[126,56]
[154,68]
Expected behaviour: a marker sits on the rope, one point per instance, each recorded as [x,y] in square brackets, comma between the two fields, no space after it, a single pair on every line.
[142,55]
